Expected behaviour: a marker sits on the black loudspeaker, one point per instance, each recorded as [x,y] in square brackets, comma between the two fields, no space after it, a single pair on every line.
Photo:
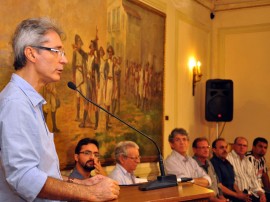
[219,100]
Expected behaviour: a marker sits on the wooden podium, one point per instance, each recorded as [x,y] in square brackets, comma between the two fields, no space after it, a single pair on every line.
[183,192]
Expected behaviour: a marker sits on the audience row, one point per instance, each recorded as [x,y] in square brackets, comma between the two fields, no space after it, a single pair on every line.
[238,175]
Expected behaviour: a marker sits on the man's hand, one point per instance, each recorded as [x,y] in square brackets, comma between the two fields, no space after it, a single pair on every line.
[262,197]
[98,168]
[106,189]
[93,180]
[243,196]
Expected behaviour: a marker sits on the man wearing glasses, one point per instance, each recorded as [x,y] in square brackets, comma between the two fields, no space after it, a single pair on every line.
[201,150]
[87,159]
[29,165]
[127,158]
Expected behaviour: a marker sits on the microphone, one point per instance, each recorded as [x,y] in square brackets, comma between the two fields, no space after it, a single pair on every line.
[163,180]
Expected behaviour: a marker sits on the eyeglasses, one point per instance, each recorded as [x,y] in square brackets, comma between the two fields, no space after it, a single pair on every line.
[241,145]
[205,147]
[183,139]
[134,158]
[90,153]
[59,52]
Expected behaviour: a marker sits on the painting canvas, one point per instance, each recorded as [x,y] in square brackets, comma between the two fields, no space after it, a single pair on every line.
[115,50]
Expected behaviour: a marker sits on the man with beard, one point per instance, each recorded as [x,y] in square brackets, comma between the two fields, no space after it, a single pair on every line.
[87,159]
[225,172]
[201,150]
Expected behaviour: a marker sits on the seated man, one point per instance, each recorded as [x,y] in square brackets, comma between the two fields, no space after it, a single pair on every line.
[201,154]
[86,158]
[127,158]
[180,164]
[225,172]
[257,157]
[245,176]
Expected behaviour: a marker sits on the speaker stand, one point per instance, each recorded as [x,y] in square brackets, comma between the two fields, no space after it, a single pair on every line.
[217,130]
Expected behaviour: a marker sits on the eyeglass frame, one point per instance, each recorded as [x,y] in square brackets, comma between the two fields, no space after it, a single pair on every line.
[90,153]
[59,52]
[133,158]
[204,147]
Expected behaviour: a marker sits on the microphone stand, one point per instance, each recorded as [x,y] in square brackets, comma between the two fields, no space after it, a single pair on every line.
[163,180]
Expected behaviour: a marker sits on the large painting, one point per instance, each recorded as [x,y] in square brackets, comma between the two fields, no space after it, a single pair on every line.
[115,50]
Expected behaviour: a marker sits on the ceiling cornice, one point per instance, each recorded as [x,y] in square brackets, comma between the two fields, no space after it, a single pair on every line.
[223,5]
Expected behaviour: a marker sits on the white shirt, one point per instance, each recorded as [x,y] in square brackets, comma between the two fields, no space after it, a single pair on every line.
[245,176]
[122,176]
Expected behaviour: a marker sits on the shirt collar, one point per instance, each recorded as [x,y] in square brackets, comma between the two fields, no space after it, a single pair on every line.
[235,155]
[200,163]
[180,156]
[34,97]
[122,169]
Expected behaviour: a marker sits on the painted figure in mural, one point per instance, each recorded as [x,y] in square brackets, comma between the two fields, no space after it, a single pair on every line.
[108,88]
[78,72]
[136,84]
[102,62]
[53,103]
[93,82]
[127,76]
[146,87]
[116,84]
[95,77]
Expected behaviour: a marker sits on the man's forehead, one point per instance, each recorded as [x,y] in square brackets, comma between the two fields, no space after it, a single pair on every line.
[262,144]
[221,142]
[241,140]
[90,145]
[179,135]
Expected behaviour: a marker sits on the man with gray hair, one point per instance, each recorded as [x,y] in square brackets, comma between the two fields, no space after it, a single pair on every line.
[29,165]
[180,164]
[127,158]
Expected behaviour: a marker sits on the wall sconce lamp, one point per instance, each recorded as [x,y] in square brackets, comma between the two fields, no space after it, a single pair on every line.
[196,74]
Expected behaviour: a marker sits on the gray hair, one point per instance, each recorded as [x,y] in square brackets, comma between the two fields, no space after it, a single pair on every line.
[121,149]
[177,131]
[31,32]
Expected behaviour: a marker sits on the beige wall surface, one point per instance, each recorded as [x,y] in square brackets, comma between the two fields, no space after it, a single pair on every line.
[241,53]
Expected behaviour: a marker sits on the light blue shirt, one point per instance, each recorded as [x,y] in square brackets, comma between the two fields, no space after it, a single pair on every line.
[121,175]
[27,150]
[184,166]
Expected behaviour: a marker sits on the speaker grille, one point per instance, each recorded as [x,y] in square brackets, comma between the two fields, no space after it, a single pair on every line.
[219,100]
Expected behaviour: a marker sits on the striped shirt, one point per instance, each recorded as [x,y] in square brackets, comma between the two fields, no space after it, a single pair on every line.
[245,176]
[259,165]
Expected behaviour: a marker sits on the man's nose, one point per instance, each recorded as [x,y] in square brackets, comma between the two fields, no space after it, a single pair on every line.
[64,59]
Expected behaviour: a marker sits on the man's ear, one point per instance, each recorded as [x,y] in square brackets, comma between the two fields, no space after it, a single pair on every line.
[30,53]
[76,157]
[121,159]
[171,145]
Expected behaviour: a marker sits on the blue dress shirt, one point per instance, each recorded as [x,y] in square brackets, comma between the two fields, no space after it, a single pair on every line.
[27,150]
